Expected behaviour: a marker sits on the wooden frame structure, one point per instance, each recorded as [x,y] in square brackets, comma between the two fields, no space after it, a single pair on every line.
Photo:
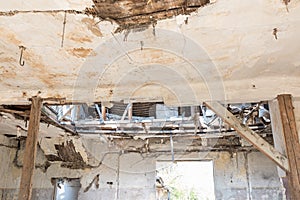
[284,115]
[292,146]
[30,149]
[249,134]
[285,133]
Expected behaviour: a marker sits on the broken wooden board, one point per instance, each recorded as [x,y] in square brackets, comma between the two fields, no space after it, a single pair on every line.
[133,13]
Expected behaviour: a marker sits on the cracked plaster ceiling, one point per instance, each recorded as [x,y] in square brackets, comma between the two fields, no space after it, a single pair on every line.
[225,50]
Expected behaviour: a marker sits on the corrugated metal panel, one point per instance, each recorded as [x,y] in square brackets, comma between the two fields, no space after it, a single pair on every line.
[138,109]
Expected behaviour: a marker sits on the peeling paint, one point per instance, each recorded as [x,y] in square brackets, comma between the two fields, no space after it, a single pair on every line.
[69,156]
[76,37]
[82,52]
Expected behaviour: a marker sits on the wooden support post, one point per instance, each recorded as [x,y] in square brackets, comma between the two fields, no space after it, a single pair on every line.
[30,149]
[249,135]
[292,145]
[277,131]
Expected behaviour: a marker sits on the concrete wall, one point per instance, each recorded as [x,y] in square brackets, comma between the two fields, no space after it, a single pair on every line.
[124,175]
[246,175]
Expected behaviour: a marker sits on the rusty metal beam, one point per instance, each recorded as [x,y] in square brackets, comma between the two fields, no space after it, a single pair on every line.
[30,149]
[248,134]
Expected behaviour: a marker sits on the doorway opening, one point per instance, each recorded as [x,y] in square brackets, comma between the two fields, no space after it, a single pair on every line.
[185,180]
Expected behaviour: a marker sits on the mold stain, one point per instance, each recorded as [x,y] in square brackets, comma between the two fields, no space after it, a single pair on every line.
[79,39]
[39,69]
[92,26]
[7,73]
[8,60]
[155,56]
[82,52]
[9,36]
[92,74]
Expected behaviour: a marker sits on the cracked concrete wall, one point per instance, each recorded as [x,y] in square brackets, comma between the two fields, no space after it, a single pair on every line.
[246,175]
[131,175]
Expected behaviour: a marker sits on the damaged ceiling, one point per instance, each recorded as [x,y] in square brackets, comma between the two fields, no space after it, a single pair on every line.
[193,51]
[133,13]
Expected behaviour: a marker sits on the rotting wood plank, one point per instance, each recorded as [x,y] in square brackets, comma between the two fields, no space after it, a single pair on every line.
[136,14]
[249,135]
[30,149]
[292,145]
[129,8]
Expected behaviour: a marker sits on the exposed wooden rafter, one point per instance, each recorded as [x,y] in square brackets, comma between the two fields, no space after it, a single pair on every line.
[249,135]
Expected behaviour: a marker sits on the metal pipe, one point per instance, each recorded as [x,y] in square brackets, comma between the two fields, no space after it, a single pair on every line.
[99,113]
[172,147]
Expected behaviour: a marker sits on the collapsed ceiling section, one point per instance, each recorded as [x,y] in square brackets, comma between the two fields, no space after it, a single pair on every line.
[135,13]
[135,127]
[145,120]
